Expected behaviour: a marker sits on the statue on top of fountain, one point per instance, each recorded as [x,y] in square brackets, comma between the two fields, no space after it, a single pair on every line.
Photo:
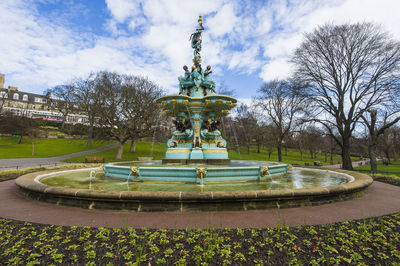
[198,78]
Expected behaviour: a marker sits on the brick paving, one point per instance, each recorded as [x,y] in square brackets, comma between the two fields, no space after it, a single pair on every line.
[381,199]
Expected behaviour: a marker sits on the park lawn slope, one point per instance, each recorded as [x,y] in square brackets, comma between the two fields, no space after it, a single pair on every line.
[155,150]
[292,157]
[392,169]
[44,147]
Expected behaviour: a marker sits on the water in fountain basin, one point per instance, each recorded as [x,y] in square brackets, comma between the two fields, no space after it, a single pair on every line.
[295,178]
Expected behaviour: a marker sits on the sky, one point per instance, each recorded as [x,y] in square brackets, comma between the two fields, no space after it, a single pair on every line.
[44,43]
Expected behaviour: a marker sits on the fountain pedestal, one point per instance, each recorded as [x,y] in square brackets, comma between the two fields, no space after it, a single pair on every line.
[197,111]
[196,154]
[197,138]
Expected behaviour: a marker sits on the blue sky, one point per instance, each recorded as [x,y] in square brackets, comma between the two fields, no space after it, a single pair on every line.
[48,42]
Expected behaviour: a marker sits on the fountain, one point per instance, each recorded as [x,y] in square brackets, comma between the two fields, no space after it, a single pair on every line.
[196,173]
[196,110]
[197,141]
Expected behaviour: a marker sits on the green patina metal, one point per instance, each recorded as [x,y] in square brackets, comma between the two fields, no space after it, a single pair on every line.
[197,111]
[197,139]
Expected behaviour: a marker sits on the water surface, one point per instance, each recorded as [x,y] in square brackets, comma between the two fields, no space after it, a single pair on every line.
[294,179]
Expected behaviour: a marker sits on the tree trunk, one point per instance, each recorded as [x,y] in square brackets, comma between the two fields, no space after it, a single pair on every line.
[326,156]
[311,154]
[387,154]
[90,136]
[120,151]
[258,148]
[33,146]
[279,147]
[301,155]
[248,148]
[346,160]
[20,139]
[132,149]
[372,157]
[269,155]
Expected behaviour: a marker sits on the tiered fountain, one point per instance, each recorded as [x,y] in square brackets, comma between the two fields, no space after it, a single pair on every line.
[197,109]
[196,173]
[197,142]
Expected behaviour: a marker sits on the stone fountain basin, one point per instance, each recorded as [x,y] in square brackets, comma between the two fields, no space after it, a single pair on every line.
[146,201]
[156,171]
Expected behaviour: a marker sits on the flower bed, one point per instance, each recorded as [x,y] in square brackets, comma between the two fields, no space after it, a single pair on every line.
[365,242]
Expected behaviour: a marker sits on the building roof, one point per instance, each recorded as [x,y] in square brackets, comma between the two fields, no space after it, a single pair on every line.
[29,98]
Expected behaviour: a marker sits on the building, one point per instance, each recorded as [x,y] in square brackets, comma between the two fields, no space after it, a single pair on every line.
[33,105]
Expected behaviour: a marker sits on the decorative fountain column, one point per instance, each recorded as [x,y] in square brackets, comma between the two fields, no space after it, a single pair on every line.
[197,111]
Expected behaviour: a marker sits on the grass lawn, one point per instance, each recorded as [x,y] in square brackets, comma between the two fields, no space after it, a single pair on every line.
[293,156]
[157,151]
[392,169]
[44,147]
[374,241]
[143,149]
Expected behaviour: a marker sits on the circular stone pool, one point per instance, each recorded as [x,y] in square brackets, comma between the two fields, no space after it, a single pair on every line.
[156,171]
[90,188]
[294,179]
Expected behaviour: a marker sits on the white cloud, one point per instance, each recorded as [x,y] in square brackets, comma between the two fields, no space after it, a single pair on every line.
[246,59]
[121,10]
[223,21]
[242,37]
[276,69]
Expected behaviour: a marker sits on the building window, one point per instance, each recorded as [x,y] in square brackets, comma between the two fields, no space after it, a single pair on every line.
[38,100]
[25,98]
[16,96]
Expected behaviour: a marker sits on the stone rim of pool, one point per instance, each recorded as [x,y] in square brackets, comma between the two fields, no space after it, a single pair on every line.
[145,201]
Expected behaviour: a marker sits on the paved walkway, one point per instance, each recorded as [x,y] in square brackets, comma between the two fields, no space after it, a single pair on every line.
[30,162]
[381,199]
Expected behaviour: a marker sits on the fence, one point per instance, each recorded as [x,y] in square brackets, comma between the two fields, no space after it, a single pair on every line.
[17,167]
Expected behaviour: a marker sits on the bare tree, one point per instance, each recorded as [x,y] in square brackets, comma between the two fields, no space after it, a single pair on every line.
[144,112]
[268,132]
[299,141]
[128,105]
[246,121]
[63,100]
[21,125]
[349,68]
[261,135]
[377,128]
[313,138]
[89,102]
[283,103]
[388,143]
